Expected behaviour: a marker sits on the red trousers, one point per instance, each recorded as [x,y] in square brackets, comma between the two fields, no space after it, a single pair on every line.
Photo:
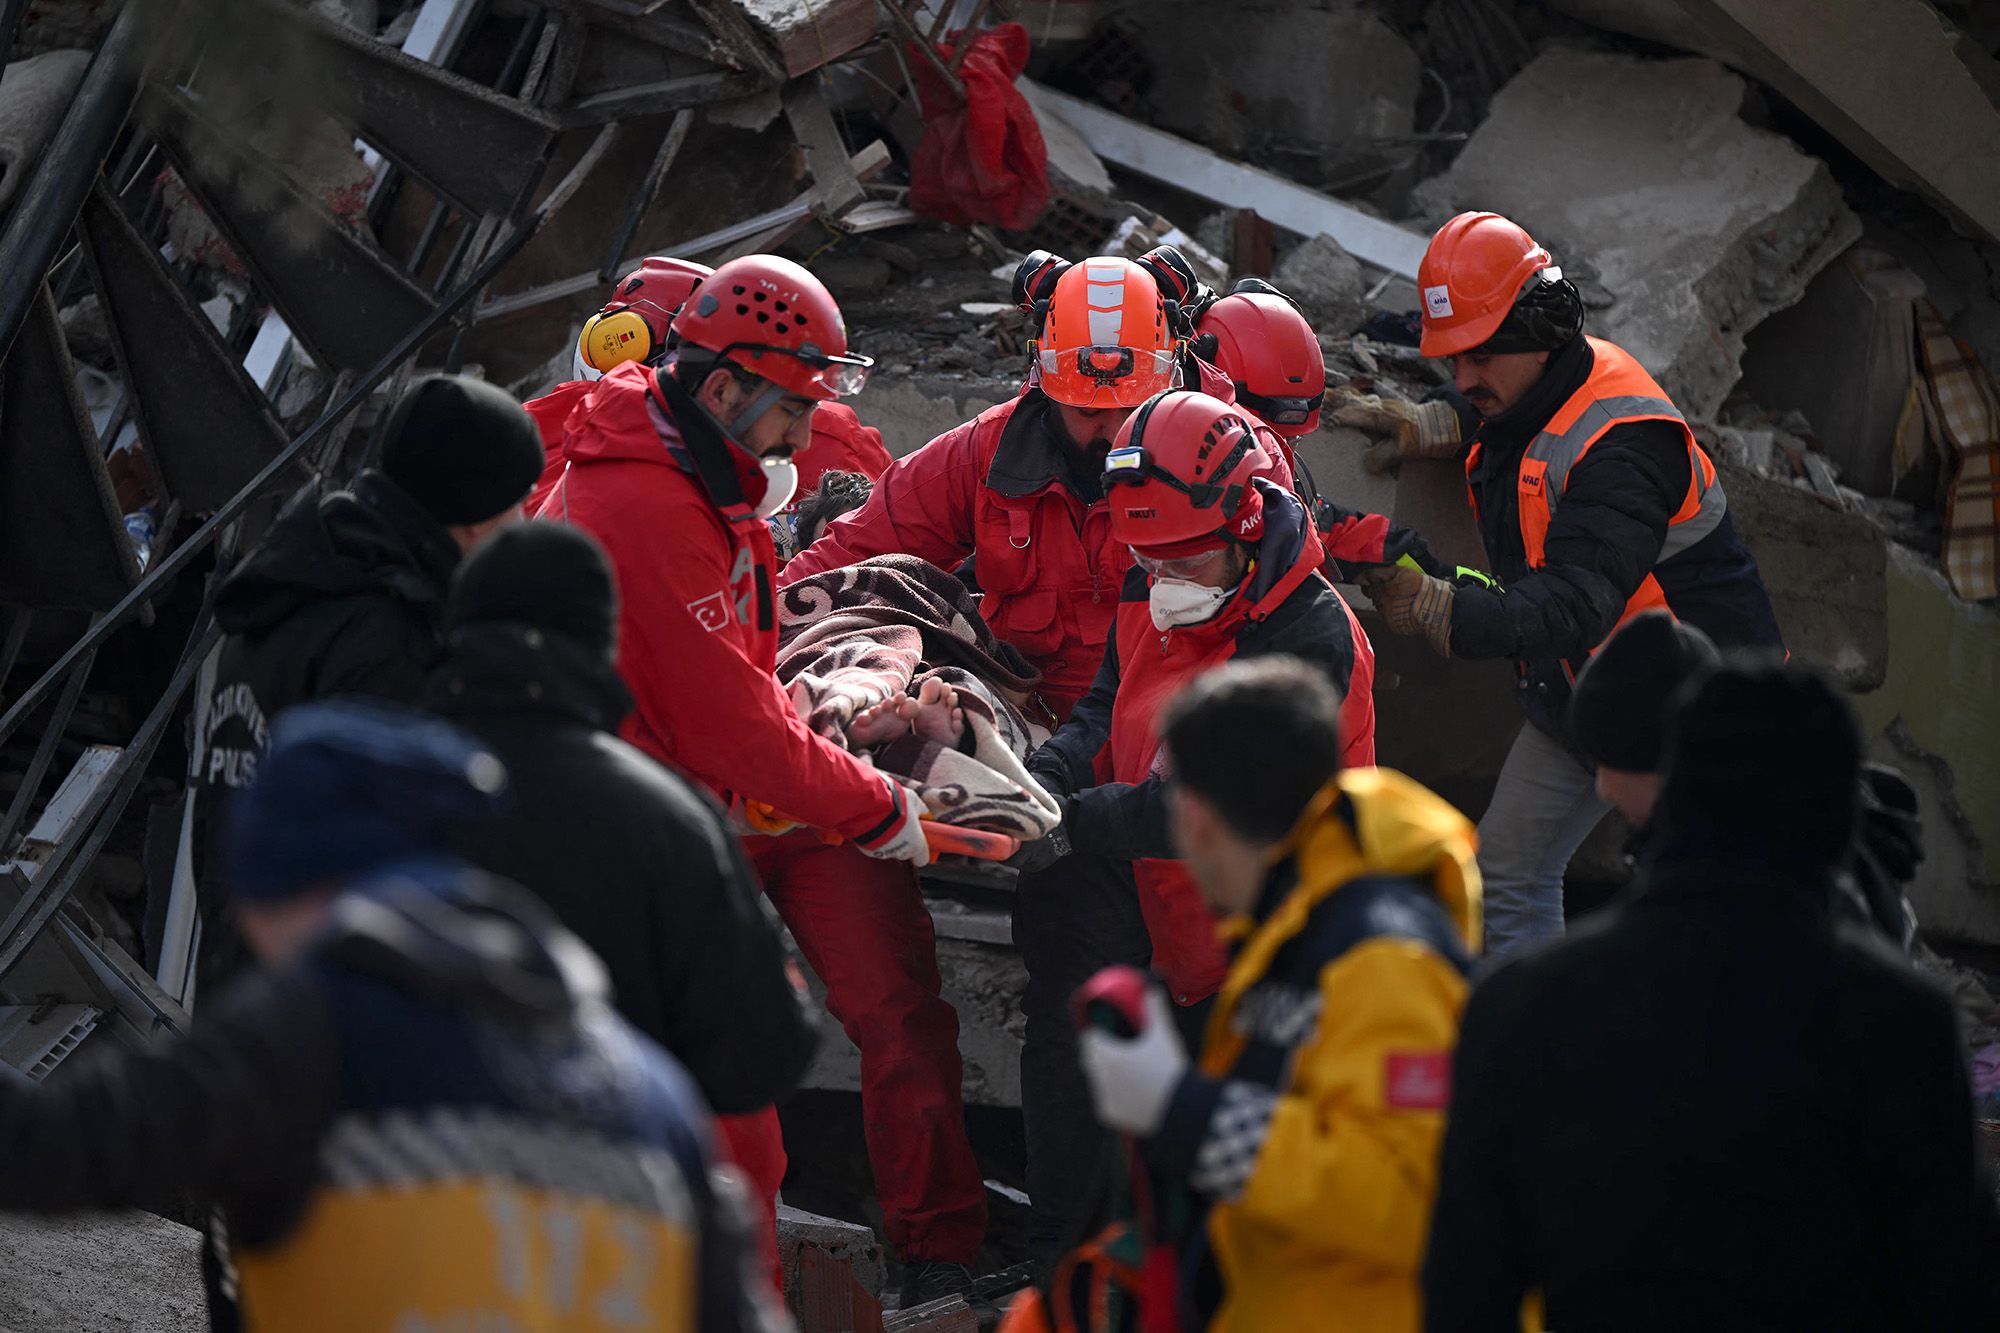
[863,928]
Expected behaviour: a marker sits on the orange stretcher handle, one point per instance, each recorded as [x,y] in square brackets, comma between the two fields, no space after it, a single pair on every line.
[982,844]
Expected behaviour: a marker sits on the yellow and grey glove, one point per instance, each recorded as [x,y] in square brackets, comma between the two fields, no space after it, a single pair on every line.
[1412,602]
[1411,430]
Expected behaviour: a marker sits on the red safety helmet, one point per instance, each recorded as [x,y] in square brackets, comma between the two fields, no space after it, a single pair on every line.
[633,324]
[776,320]
[1105,342]
[1178,476]
[1477,266]
[1272,355]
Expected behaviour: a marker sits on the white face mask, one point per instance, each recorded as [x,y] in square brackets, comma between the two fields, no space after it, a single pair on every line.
[781,482]
[1177,602]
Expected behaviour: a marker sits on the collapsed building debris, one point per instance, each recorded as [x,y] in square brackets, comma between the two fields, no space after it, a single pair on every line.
[706,130]
[1642,175]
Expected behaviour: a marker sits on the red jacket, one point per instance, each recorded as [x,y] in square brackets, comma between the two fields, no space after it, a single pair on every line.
[840,443]
[999,489]
[1285,607]
[697,624]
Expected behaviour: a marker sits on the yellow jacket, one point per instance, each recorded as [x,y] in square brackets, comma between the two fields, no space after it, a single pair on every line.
[1312,1126]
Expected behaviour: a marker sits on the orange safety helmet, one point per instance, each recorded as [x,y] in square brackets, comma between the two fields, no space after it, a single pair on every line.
[774,319]
[633,324]
[1273,357]
[1105,342]
[1477,266]
[1178,476]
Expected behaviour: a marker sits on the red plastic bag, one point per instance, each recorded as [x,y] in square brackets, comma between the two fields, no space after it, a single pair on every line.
[983,159]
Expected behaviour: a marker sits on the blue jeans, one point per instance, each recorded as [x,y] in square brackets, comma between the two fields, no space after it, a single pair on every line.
[1545,805]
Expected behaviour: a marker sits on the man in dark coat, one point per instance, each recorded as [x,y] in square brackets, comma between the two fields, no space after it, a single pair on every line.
[1719,1105]
[628,855]
[345,594]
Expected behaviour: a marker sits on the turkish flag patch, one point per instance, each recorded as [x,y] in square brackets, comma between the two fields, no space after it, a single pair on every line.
[1417,1080]
[711,612]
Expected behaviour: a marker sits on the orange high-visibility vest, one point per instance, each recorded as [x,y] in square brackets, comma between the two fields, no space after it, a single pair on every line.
[1618,390]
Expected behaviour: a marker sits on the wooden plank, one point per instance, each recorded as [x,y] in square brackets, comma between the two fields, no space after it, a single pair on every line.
[1188,166]
[808,34]
[834,181]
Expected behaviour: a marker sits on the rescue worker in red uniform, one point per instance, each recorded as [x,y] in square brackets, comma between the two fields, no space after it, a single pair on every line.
[1225,565]
[674,469]
[1595,504]
[633,326]
[1019,490]
[1260,340]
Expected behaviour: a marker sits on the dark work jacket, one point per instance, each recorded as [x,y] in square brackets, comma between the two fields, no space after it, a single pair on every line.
[1604,540]
[632,858]
[1714,1106]
[342,597]
[438,1069]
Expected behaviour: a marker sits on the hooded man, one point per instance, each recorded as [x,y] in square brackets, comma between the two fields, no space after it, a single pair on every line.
[1595,504]
[1225,566]
[1294,1161]
[420,1111]
[1719,1104]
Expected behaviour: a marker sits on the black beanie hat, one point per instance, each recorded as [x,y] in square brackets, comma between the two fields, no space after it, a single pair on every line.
[541,574]
[462,448]
[1763,764]
[1618,711]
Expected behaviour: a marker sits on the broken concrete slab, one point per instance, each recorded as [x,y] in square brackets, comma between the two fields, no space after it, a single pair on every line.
[1188,166]
[1326,82]
[833,1271]
[95,1272]
[1940,704]
[1074,170]
[1697,223]
[1823,570]
[1882,76]
[911,412]
[33,94]
[1327,281]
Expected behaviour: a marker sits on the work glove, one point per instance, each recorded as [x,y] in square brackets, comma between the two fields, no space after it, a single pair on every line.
[1132,1079]
[1046,850]
[1411,602]
[906,842]
[1178,284]
[1412,430]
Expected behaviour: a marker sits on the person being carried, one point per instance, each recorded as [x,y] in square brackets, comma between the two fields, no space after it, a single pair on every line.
[1298,1152]
[421,1083]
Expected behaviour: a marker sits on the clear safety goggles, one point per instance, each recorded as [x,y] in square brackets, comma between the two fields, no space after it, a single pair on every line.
[840,375]
[1185,568]
[1108,374]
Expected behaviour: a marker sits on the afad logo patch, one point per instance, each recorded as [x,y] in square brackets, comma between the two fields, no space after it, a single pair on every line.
[1437,302]
[1416,1080]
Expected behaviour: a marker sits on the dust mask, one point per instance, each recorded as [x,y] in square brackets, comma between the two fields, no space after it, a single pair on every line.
[1178,602]
[781,482]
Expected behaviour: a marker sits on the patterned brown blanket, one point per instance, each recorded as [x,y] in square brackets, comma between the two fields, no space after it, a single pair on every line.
[852,638]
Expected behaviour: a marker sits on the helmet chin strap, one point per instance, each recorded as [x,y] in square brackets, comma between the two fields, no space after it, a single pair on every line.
[738,425]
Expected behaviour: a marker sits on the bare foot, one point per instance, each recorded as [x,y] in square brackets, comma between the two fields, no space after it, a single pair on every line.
[880,722]
[934,712]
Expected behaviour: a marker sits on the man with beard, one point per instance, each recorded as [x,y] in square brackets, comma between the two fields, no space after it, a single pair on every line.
[1595,505]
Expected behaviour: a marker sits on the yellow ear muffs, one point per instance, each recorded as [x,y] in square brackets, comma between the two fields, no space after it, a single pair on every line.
[610,339]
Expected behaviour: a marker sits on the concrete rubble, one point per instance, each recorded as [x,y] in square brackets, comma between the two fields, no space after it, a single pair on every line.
[126,1272]
[1698,224]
